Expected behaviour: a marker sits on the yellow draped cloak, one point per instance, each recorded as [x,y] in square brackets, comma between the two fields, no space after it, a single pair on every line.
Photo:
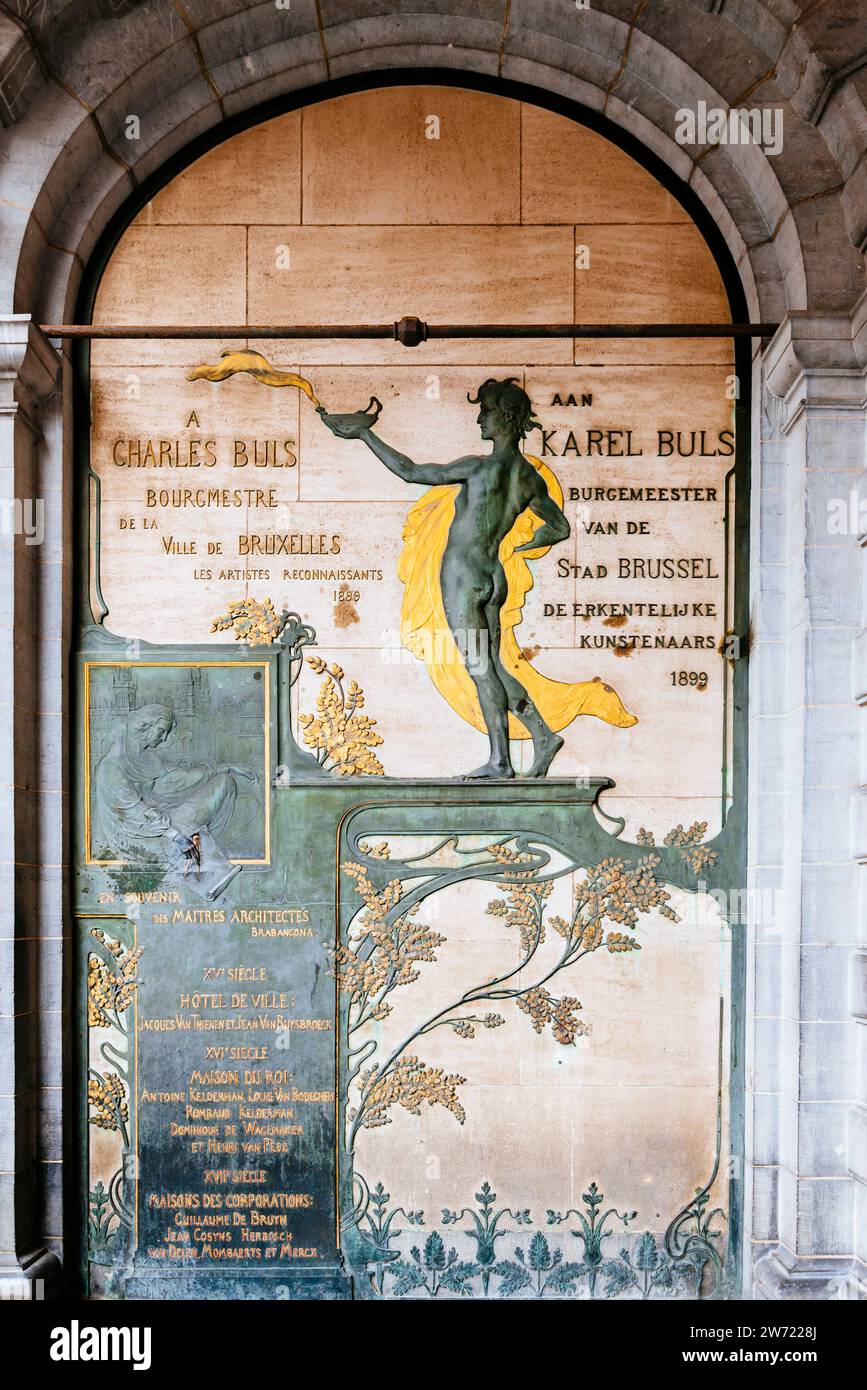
[425,632]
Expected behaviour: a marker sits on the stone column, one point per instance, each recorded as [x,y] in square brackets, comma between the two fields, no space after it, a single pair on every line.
[31,816]
[806,1166]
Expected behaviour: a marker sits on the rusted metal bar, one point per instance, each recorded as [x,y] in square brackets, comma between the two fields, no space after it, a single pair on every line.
[244,330]
[410,331]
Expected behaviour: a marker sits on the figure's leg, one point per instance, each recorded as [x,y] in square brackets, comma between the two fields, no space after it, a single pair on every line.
[210,807]
[546,744]
[467,621]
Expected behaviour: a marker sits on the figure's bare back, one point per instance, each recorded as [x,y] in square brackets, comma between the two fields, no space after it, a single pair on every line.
[491,497]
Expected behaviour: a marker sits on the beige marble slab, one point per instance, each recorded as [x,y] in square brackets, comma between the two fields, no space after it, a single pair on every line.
[425,737]
[673,1034]
[253,177]
[647,1148]
[368,158]
[160,401]
[175,275]
[641,397]
[630,1105]
[658,274]
[659,814]
[357,618]
[439,1163]
[572,174]
[441,274]
[422,734]
[667,719]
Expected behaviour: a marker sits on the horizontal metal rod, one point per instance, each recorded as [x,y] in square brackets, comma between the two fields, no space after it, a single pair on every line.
[174,330]
[411,332]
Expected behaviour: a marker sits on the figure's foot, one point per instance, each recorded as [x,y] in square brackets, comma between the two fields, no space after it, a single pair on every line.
[491,769]
[546,748]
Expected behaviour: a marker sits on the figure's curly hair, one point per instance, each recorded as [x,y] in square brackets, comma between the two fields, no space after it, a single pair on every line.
[512,400]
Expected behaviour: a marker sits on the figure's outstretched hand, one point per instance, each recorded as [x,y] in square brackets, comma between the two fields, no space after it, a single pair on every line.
[344,426]
[354,424]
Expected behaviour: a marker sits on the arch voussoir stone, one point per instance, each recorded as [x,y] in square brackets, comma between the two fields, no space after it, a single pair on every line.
[640,70]
[244,49]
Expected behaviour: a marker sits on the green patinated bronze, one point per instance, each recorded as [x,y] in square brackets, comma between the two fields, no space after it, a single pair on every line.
[493,490]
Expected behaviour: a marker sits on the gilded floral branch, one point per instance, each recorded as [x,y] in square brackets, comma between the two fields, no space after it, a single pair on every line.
[387,946]
[688,842]
[341,737]
[253,621]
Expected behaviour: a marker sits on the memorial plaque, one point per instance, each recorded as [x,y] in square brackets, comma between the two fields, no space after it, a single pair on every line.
[410,751]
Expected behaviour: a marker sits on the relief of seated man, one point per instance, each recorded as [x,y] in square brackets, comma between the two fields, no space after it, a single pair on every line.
[146,801]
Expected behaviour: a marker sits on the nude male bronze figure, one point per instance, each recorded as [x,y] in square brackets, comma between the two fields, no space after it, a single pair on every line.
[493,491]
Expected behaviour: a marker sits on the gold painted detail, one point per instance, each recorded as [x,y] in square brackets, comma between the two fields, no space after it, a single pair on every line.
[692,851]
[253,621]
[340,735]
[424,628]
[112,983]
[110,991]
[410,1083]
[255,365]
[387,946]
[107,1097]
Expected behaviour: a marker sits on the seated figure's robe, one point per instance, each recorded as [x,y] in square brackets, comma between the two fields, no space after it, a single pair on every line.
[141,797]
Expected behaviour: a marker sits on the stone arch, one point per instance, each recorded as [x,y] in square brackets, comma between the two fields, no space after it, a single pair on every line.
[790,222]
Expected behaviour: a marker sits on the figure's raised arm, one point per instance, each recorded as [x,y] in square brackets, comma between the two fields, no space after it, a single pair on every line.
[346,428]
[404,467]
